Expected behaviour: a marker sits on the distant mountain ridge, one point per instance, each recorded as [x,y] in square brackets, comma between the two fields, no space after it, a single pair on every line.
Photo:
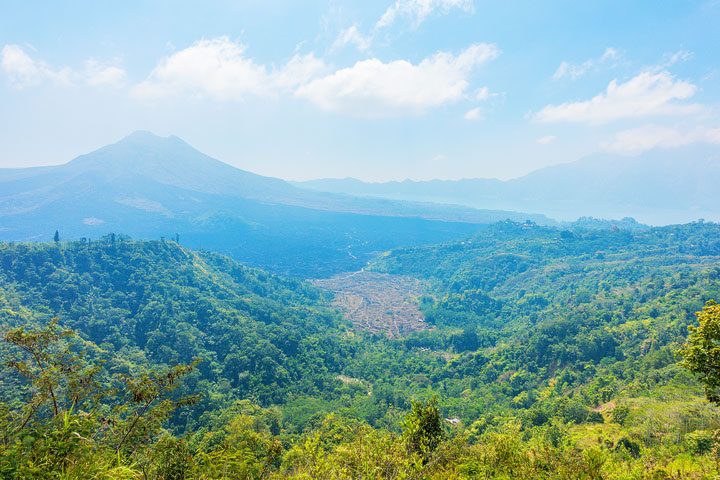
[149,186]
[142,157]
[658,187]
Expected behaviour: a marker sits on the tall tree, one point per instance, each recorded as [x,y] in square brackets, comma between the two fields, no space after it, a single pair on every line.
[422,428]
[701,352]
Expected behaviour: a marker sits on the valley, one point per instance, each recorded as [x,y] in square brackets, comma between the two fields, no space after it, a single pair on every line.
[259,318]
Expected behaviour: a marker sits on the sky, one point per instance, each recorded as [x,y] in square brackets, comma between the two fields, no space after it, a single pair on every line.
[376,90]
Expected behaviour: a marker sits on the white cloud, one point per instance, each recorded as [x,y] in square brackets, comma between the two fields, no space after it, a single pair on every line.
[473,114]
[374,88]
[648,137]
[610,53]
[647,94]
[101,75]
[546,140]
[483,93]
[352,36]
[24,71]
[299,70]
[569,70]
[417,11]
[218,69]
[670,59]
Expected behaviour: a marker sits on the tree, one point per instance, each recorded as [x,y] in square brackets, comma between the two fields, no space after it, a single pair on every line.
[57,375]
[701,352]
[422,428]
[56,237]
[150,404]
[67,424]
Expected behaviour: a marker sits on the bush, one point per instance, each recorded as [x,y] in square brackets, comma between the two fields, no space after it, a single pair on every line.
[699,442]
[625,444]
[595,417]
[620,414]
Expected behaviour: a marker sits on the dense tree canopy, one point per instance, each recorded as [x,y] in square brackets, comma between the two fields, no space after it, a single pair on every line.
[549,353]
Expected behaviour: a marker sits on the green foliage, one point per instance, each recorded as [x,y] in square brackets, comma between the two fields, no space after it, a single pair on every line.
[422,428]
[59,380]
[171,459]
[257,335]
[700,442]
[64,425]
[702,351]
[552,355]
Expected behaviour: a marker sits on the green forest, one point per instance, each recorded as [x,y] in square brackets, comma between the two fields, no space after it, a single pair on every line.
[589,352]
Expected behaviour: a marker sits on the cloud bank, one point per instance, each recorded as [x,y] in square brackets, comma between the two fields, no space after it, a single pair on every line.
[219,69]
[376,88]
[647,94]
[23,71]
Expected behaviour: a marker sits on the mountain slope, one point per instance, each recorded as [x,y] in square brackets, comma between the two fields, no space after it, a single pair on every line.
[125,171]
[147,186]
[657,187]
[159,303]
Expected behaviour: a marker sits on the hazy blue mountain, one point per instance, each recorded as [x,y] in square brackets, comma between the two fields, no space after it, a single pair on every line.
[147,186]
[657,187]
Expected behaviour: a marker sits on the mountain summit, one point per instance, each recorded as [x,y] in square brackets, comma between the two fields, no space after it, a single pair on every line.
[171,161]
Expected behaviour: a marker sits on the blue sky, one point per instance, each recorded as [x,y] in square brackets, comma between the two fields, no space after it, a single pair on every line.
[377,90]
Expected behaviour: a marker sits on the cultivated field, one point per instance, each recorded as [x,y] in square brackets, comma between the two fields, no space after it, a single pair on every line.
[378,302]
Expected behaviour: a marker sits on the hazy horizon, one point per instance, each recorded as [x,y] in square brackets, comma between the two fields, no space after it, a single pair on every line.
[387,90]
[291,180]
[668,151]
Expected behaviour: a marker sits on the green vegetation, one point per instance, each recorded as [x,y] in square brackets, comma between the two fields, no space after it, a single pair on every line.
[143,304]
[702,351]
[553,355]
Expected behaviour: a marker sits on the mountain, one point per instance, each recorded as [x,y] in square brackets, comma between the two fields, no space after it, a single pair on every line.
[123,172]
[657,187]
[148,186]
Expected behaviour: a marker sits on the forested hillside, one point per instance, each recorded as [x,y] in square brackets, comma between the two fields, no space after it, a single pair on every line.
[536,316]
[155,303]
[550,352]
